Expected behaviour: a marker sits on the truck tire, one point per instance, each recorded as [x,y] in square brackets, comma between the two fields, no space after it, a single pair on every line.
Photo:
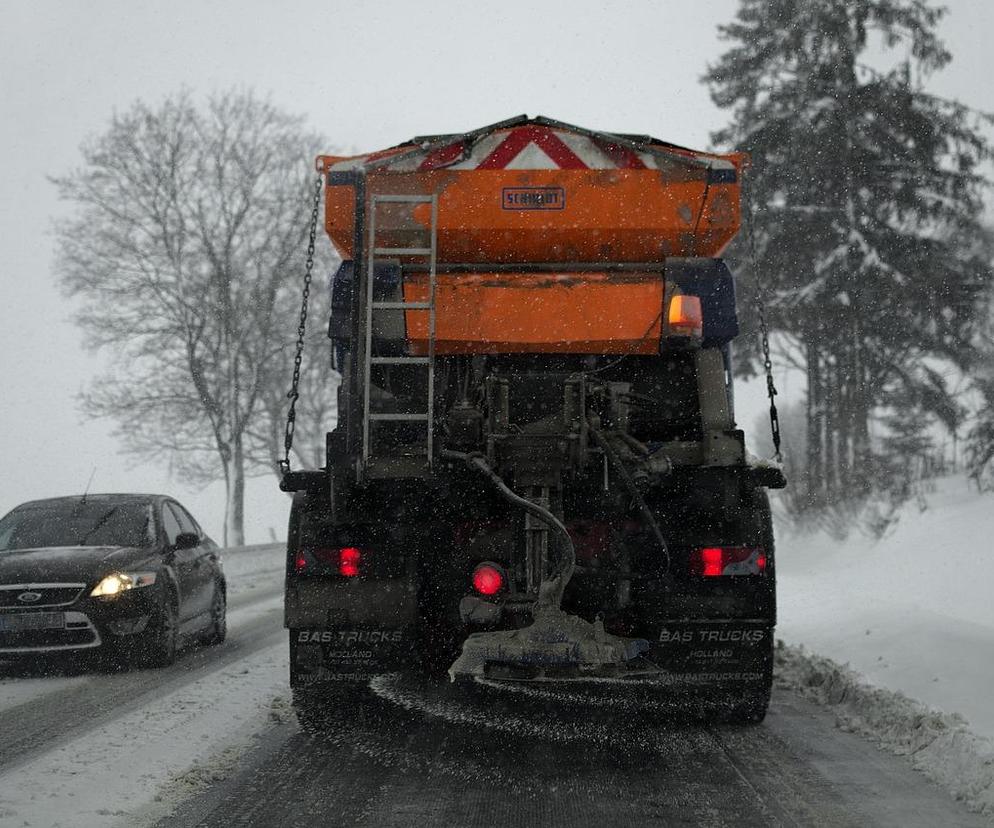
[754,702]
[322,709]
[438,642]
[309,709]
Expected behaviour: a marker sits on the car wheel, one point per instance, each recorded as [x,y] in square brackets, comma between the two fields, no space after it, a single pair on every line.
[161,643]
[218,629]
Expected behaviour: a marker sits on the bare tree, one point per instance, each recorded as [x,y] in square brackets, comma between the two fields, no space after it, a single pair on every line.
[185,249]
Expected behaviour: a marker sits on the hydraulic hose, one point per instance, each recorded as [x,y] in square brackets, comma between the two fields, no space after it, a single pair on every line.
[552,589]
[626,478]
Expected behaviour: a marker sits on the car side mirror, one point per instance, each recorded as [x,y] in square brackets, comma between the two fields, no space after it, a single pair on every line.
[186,540]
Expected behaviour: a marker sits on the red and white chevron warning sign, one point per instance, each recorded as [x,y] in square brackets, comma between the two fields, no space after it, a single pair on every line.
[530,144]
[534,147]
[528,147]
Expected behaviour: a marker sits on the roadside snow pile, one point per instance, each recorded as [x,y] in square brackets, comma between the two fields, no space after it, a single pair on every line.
[253,572]
[939,745]
[910,618]
[252,567]
[911,612]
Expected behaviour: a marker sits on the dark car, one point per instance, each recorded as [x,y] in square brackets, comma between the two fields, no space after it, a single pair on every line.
[129,576]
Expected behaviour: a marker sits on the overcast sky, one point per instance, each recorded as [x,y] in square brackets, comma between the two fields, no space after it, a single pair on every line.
[367,75]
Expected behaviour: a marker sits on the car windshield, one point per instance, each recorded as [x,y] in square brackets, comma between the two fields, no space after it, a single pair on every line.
[80,523]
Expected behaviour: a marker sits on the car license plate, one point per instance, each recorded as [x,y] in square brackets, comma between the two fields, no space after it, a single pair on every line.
[25,621]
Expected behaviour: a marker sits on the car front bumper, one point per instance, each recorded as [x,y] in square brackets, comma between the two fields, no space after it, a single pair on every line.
[86,624]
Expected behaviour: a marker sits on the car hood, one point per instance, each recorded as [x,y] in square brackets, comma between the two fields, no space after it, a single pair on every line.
[67,564]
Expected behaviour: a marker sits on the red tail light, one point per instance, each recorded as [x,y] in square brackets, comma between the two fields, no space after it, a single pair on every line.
[348,561]
[715,561]
[488,579]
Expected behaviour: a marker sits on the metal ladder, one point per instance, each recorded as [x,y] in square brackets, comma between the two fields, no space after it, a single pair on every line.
[376,254]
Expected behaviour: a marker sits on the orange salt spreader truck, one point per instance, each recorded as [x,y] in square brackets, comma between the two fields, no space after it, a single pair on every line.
[536,473]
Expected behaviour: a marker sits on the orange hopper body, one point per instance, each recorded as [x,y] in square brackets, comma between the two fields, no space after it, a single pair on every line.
[590,217]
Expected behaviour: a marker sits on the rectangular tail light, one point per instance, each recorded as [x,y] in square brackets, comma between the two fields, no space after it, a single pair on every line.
[347,561]
[718,561]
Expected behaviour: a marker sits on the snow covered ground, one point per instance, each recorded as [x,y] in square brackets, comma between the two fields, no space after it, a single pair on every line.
[913,611]
[939,745]
[131,769]
[910,615]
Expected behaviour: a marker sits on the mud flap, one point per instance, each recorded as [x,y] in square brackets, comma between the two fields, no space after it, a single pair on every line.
[715,655]
[349,655]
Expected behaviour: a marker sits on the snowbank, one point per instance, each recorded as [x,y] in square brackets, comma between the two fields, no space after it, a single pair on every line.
[911,612]
[250,569]
[940,745]
[910,616]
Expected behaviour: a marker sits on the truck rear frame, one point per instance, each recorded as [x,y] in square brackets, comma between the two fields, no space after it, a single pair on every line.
[631,448]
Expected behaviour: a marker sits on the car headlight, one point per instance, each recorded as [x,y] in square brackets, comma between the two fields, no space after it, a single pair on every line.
[118,582]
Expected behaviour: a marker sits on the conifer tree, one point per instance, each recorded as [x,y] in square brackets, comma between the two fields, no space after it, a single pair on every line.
[865,192]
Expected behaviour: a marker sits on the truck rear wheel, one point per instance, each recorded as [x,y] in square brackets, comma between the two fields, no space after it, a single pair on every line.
[324,707]
[751,706]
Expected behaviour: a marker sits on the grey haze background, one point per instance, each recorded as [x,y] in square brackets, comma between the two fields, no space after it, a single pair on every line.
[367,75]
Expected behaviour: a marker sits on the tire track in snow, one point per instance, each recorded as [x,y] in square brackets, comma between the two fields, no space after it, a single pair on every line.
[407,752]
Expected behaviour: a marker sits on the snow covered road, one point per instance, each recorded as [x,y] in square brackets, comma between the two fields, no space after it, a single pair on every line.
[101,701]
[213,741]
[100,749]
[437,755]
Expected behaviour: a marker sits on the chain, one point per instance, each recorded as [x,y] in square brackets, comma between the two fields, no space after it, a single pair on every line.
[764,330]
[293,395]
